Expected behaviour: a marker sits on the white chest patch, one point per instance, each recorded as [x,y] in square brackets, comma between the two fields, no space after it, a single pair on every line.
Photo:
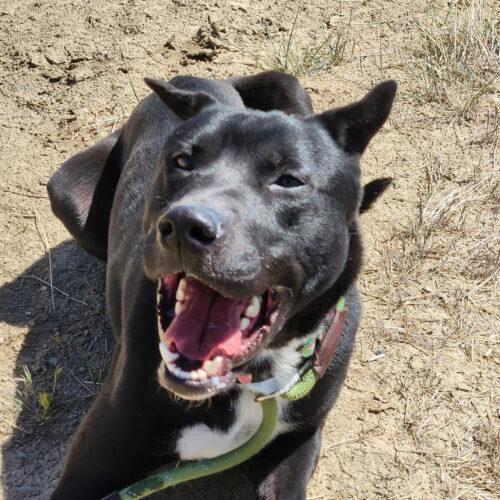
[200,441]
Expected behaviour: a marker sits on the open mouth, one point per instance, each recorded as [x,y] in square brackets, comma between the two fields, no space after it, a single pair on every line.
[204,335]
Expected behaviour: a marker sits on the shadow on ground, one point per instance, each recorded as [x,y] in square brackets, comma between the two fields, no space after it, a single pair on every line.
[67,333]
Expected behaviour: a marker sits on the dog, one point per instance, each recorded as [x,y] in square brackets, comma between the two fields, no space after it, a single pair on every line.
[228,213]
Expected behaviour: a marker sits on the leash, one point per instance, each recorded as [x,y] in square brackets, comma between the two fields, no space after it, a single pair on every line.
[318,353]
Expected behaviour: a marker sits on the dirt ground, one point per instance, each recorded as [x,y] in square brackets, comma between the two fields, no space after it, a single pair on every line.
[418,417]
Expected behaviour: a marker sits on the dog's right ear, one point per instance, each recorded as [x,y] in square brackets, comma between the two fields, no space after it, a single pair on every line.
[184,103]
[81,192]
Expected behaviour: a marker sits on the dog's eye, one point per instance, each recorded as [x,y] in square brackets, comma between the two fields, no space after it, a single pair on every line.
[182,161]
[288,181]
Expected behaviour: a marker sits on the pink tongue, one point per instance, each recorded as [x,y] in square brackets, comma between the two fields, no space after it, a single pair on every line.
[208,324]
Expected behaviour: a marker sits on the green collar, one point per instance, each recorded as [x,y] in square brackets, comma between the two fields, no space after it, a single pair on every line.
[317,351]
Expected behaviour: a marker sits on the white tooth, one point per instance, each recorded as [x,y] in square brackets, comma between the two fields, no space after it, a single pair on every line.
[167,356]
[209,367]
[213,367]
[202,374]
[217,364]
[253,309]
[179,372]
[178,307]
[215,381]
[244,323]
[171,367]
[194,375]
[180,294]
[182,285]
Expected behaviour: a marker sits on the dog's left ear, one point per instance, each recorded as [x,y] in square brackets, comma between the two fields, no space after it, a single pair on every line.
[184,103]
[272,90]
[353,126]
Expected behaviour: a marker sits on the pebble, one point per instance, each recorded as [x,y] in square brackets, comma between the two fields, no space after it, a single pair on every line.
[56,55]
[416,364]
[80,74]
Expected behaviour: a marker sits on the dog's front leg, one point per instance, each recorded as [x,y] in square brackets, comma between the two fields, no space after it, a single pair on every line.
[282,470]
[116,444]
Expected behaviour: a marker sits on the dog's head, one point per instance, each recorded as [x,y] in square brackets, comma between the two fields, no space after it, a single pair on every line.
[248,223]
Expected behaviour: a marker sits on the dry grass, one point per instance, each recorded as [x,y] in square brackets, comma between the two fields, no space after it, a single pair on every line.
[459,57]
[309,55]
[449,250]
[440,286]
[440,268]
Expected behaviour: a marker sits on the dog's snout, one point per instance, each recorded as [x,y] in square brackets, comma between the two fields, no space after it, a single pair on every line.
[195,225]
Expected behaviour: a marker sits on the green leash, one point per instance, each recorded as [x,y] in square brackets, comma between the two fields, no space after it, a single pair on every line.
[307,378]
[207,467]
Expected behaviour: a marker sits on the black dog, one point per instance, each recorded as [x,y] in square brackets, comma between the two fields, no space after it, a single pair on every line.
[228,214]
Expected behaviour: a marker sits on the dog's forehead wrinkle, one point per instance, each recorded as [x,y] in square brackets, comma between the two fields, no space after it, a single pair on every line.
[266,127]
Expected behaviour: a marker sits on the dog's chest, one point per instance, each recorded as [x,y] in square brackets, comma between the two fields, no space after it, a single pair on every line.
[200,441]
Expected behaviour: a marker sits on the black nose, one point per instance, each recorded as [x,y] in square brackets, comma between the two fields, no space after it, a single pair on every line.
[195,225]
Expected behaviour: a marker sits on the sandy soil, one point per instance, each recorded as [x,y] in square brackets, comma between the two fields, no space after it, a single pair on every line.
[418,417]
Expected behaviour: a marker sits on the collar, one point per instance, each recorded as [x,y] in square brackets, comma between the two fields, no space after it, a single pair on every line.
[317,351]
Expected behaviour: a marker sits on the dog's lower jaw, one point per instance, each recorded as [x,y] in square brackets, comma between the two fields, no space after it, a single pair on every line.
[189,394]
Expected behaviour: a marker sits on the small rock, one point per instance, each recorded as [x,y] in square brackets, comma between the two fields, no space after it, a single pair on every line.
[79,75]
[332,21]
[417,364]
[216,29]
[54,74]
[56,55]
[36,60]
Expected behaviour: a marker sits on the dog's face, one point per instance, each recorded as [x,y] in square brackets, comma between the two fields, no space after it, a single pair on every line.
[246,222]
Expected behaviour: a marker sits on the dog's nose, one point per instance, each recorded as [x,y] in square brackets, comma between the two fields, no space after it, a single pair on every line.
[196,225]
